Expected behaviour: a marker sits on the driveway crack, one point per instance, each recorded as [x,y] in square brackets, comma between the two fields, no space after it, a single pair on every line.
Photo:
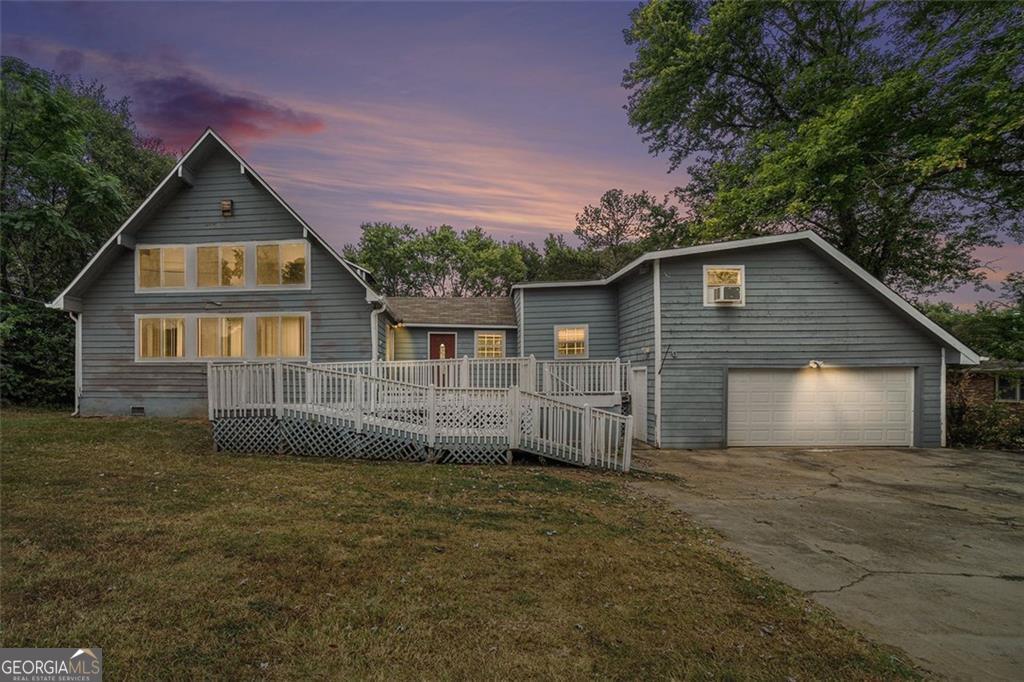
[953,574]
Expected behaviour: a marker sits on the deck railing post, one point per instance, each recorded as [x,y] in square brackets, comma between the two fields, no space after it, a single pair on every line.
[279,389]
[627,445]
[617,377]
[514,418]
[464,378]
[431,415]
[531,374]
[359,391]
[211,393]
[588,433]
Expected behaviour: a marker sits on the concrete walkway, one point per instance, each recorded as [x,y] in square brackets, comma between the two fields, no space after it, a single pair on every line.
[922,549]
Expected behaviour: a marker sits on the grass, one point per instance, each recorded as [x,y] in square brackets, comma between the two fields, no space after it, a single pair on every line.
[132,535]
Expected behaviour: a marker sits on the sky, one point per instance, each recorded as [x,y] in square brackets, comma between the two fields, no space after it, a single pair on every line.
[504,115]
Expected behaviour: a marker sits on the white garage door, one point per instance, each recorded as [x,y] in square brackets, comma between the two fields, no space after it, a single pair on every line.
[821,406]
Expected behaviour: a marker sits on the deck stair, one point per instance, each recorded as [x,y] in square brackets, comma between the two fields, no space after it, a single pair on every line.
[353,412]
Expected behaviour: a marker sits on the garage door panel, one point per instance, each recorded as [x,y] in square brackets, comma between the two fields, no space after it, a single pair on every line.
[821,407]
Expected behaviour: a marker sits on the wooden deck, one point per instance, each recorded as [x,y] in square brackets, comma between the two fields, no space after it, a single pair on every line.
[472,411]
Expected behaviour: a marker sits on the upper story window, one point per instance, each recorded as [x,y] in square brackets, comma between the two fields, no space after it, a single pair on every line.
[220,266]
[221,337]
[571,342]
[162,267]
[724,285]
[281,264]
[245,265]
[490,344]
[1009,388]
[161,337]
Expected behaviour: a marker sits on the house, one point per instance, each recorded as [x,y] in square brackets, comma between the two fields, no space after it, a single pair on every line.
[993,380]
[778,340]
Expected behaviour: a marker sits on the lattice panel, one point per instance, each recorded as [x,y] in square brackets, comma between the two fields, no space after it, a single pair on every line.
[473,454]
[247,434]
[310,437]
[471,417]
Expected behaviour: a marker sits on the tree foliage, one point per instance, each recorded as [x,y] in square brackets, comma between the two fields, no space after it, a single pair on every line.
[72,166]
[894,130]
[992,330]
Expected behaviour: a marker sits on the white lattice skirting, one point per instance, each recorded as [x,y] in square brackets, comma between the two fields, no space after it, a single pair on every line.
[324,439]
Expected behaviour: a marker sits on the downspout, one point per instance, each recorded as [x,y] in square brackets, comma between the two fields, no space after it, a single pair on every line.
[78,357]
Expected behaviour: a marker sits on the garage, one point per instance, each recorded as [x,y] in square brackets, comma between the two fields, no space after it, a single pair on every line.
[821,406]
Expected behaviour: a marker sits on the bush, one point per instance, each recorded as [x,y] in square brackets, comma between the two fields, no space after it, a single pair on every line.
[37,356]
[975,423]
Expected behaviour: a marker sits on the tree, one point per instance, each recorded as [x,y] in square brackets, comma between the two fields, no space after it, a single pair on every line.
[440,261]
[992,330]
[1013,290]
[622,226]
[893,130]
[72,166]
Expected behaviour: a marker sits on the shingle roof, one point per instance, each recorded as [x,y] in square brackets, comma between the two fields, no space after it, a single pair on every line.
[999,365]
[475,311]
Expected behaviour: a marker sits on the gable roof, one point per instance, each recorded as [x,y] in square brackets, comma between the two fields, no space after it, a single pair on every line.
[968,356]
[476,311]
[179,176]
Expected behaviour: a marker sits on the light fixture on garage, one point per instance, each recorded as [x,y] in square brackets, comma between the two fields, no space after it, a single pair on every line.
[815,364]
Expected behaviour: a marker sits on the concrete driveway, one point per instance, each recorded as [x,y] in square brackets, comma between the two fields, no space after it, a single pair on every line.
[922,549]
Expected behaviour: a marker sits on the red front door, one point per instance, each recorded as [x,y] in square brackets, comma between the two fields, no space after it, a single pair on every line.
[442,346]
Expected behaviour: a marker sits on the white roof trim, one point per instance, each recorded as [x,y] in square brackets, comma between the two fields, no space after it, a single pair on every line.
[371,295]
[969,356]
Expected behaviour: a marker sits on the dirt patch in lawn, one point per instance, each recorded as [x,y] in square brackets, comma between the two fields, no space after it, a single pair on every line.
[132,535]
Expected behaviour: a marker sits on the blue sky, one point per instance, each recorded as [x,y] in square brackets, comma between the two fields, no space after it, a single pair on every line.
[504,115]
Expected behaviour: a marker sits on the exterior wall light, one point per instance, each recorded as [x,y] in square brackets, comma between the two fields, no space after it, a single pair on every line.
[815,364]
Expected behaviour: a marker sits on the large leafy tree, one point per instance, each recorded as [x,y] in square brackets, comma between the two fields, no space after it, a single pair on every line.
[72,166]
[894,130]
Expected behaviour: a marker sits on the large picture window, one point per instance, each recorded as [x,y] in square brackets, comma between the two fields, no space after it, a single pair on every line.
[221,337]
[281,264]
[281,336]
[220,266]
[161,337]
[490,344]
[571,342]
[162,267]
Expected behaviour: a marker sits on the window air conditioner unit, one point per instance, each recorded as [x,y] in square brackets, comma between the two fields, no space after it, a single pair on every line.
[727,294]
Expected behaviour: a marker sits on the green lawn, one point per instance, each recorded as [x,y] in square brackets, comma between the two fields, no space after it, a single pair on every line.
[134,536]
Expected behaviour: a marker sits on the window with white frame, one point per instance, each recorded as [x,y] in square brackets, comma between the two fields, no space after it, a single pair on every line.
[281,336]
[161,337]
[571,342]
[1009,388]
[490,344]
[281,264]
[220,265]
[161,267]
[221,337]
[724,285]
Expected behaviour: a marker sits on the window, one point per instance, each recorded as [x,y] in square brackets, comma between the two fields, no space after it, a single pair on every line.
[220,266]
[490,344]
[281,264]
[724,285]
[1009,388]
[161,337]
[221,337]
[281,337]
[162,267]
[571,342]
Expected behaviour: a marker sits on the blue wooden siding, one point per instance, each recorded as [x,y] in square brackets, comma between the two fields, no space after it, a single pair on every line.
[595,306]
[799,307]
[636,336]
[111,379]
[411,342]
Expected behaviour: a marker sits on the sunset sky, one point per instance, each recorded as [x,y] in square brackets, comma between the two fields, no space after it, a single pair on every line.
[507,116]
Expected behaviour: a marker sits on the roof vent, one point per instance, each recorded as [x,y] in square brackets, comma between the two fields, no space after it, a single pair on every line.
[137,411]
[227,207]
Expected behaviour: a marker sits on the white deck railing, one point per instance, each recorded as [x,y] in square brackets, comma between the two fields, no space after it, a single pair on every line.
[552,377]
[432,414]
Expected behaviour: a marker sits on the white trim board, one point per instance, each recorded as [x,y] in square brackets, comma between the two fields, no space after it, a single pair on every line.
[178,175]
[968,356]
